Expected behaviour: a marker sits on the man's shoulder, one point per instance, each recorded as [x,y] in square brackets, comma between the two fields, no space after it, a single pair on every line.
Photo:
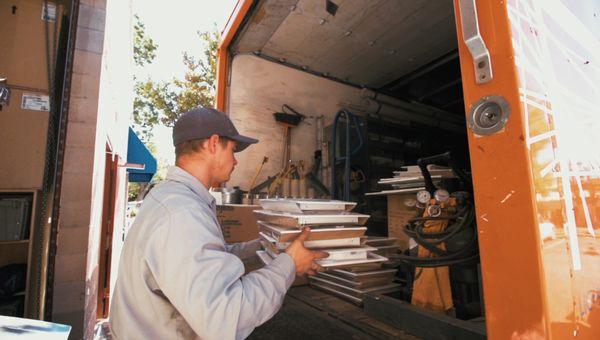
[167,203]
[172,196]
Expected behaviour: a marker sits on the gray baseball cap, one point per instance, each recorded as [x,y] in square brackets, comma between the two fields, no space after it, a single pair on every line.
[203,122]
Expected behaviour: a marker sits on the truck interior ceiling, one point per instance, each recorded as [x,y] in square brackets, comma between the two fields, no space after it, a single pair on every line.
[402,56]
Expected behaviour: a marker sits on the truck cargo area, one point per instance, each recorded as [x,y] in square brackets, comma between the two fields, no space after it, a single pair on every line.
[309,314]
[373,88]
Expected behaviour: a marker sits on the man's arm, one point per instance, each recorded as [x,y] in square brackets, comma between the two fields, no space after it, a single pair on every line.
[244,250]
[204,282]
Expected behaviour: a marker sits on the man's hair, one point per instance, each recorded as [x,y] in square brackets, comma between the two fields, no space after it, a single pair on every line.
[195,145]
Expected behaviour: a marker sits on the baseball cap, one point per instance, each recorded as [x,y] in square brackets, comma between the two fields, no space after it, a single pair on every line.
[203,122]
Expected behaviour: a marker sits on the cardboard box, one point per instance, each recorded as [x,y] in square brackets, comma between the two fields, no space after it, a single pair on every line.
[23,52]
[398,216]
[22,145]
[238,222]
[23,62]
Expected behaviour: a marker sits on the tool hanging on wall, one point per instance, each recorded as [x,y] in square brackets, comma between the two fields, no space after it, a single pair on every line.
[274,184]
[265,160]
[278,184]
[351,123]
[289,118]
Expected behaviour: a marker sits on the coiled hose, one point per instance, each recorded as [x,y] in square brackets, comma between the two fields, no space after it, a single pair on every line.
[461,221]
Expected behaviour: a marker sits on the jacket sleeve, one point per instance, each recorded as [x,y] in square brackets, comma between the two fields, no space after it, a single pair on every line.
[205,283]
[244,250]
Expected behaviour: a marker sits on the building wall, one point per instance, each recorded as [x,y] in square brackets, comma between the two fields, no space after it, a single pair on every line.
[115,108]
[98,115]
[258,89]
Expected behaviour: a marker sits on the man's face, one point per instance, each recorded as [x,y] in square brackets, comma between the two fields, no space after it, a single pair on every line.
[225,161]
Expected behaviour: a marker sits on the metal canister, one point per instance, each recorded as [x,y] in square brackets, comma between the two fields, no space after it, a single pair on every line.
[247,199]
[310,192]
[285,187]
[295,188]
[302,188]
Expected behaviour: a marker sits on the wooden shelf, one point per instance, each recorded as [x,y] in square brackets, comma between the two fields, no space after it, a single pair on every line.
[21,252]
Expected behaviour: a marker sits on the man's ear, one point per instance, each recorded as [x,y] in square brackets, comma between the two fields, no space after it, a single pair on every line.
[212,143]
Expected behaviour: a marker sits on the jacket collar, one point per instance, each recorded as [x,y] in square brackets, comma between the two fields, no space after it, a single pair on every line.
[177,174]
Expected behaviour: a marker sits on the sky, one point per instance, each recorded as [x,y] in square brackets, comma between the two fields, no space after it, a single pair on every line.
[173,26]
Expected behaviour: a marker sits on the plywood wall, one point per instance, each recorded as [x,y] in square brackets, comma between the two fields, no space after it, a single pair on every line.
[258,89]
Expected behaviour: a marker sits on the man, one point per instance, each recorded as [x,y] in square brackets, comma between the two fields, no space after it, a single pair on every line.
[177,277]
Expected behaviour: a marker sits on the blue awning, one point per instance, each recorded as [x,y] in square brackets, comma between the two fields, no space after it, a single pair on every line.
[139,156]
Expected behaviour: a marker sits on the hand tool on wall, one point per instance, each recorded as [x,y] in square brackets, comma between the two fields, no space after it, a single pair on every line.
[265,160]
[279,179]
[302,181]
[289,118]
[264,184]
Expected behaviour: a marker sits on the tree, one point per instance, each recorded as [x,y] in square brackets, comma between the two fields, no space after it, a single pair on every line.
[144,48]
[163,102]
[136,189]
[144,53]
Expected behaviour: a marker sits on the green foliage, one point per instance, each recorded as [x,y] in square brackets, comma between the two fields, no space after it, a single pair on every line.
[163,102]
[133,190]
[144,48]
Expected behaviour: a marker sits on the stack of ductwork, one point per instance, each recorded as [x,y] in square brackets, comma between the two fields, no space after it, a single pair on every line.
[335,230]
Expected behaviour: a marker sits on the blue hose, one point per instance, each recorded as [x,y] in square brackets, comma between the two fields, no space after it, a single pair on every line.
[350,119]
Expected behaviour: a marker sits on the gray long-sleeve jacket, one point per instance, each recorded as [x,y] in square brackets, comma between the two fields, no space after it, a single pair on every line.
[179,280]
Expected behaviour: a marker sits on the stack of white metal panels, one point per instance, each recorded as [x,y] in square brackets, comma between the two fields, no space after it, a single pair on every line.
[410,180]
[385,245]
[335,230]
[352,283]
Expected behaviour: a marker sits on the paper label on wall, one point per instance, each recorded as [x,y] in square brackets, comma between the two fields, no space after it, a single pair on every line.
[49,11]
[35,102]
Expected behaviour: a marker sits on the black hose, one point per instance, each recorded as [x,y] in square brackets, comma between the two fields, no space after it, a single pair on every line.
[444,263]
[461,221]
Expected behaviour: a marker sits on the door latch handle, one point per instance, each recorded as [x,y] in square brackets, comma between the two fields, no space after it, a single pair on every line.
[482,61]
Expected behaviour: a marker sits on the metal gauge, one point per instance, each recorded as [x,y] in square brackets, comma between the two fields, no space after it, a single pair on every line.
[434,210]
[423,196]
[441,195]
[410,202]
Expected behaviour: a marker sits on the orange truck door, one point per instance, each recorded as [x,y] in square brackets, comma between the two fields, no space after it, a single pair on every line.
[531,78]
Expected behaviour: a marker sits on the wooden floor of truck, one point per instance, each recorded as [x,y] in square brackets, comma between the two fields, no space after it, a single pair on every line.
[308,313]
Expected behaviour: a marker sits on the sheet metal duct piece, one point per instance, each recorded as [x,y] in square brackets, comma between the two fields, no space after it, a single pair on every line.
[372,107]
[422,109]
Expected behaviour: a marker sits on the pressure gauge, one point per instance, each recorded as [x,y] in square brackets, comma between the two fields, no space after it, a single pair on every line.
[434,210]
[441,195]
[423,196]
[410,202]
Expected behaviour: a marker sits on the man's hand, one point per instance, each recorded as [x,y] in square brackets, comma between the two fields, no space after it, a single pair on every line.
[304,259]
